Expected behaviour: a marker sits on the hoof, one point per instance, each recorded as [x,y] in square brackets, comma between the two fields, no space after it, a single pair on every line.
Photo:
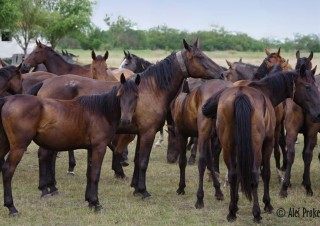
[181,191]
[145,195]
[199,204]
[120,176]
[191,161]
[219,196]
[55,193]
[70,173]
[268,209]
[309,193]
[45,196]
[257,219]
[231,217]
[283,194]
[15,214]
[98,208]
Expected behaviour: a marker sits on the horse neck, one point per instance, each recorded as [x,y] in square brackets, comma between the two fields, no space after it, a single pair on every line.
[275,94]
[56,64]
[262,71]
[171,90]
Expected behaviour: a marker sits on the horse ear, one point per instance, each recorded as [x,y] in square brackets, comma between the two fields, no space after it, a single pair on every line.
[314,70]
[229,63]
[278,53]
[310,56]
[267,52]
[240,60]
[125,54]
[138,79]
[196,43]
[63,53]
[129,55]
[298,54]
[93,55]
[106,55]
[122,78]
[186,45]
[303,70]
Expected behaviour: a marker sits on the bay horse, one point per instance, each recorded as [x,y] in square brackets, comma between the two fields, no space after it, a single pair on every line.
[245,125]
[99,69]
[10,80]
[299,121]
[159,85]
[134,62]
[88,122]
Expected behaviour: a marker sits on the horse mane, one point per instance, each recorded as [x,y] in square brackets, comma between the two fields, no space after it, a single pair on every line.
[144,63]
[55,53]
[107,104]
[276,81]
[162,72]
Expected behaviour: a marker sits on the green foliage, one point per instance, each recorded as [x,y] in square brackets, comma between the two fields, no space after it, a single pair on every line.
[8,14]
[64,17]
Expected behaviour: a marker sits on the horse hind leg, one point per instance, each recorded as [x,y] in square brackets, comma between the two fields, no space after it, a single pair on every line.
[307,153]
[234,196]
[8,169]
[256,207]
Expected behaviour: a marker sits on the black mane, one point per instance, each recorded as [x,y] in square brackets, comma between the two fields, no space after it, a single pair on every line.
[163,72]
[107,104]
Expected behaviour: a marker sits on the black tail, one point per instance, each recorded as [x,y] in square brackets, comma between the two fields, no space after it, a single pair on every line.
[3,138]
[243,134]
[35,89]
[209,109]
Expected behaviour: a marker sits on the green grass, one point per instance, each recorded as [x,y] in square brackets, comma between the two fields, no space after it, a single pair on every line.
[164,207]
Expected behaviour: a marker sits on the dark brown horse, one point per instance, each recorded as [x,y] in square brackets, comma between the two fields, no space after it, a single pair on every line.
[299,121]
[10,80]
[88,122]
[245,125]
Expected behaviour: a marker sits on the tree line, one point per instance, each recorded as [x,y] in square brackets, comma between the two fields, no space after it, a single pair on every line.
[67,24]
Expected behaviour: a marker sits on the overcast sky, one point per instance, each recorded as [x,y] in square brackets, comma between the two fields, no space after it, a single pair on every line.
[258,18]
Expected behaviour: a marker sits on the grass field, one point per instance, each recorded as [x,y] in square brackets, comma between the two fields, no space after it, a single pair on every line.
[164,207]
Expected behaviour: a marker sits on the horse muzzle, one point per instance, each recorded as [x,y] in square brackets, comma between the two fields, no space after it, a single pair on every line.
[125,122]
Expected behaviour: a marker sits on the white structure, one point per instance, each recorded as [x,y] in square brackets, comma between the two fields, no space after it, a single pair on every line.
[9,46]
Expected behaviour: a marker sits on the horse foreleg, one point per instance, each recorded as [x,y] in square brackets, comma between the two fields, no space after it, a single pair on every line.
[146,141]
[182,140]
[277,151]
[290,141]
[72,162]
[97,155]
[307,154]
[282,143]
[135,176]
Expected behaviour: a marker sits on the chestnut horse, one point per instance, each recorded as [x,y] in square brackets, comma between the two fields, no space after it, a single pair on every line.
[245,125]
[88,122]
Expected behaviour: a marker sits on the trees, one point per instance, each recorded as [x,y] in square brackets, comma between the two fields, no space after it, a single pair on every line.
[8,14]
[63,17]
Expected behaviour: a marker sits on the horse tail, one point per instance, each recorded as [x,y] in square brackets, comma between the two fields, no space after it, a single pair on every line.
[3,137]
[35,89]
[243,134]
[210,108]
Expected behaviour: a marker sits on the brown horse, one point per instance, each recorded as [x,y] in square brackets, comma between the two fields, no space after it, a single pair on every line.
[299,121]
[10,80]
[99,69]
[185,111]
[88,122]
[159,85]
[245,124]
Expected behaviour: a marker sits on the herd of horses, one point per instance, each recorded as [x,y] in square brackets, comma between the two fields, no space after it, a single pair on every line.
[244,111]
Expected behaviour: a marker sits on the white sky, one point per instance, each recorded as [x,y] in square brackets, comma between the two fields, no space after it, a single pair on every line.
[268,18]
